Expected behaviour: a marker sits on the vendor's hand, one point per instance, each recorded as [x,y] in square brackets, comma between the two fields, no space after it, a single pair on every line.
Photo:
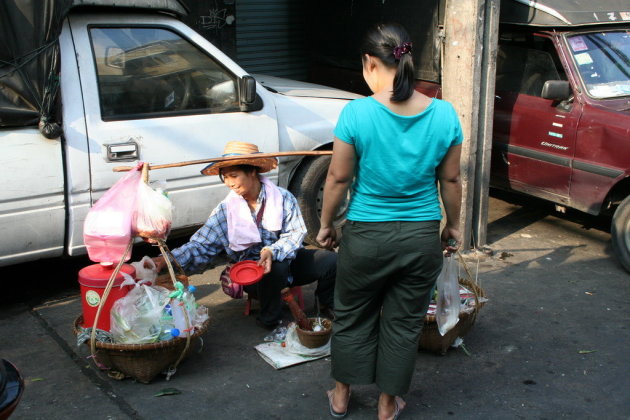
[159,262]
[327,237]
[451,240]
[266,258]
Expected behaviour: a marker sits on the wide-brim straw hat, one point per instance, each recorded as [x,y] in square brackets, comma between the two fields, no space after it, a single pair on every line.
[235,148]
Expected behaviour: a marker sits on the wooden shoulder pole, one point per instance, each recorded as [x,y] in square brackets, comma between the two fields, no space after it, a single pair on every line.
[228,158]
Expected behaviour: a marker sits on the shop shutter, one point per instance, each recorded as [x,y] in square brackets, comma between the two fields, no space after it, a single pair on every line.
[271,37]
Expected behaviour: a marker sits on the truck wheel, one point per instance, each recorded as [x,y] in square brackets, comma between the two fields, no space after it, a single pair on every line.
[620,233]
[307,185]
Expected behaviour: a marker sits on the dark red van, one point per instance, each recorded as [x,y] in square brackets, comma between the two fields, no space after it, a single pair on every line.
[562,111]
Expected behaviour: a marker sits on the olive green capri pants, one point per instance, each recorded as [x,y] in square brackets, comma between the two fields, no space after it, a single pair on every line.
[385,273]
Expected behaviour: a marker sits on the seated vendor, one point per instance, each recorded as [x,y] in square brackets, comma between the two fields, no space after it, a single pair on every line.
[259,221]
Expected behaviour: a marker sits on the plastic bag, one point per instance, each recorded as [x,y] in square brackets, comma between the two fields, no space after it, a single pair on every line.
[278,334]
[107,227]
[143,274]
[136,317]
[154,213]
[448,302]
[233,290]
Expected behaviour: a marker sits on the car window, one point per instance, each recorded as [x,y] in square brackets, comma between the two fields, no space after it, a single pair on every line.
[526,67]
[148,72]
[603,60]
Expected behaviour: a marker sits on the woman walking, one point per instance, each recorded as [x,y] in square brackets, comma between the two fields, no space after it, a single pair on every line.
[391,149]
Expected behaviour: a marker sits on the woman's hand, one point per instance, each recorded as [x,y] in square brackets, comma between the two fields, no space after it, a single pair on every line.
[327,237]
[266,258]
[451,240]
[159,262]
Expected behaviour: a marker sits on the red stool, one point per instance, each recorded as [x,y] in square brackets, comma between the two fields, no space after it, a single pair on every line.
[297,294]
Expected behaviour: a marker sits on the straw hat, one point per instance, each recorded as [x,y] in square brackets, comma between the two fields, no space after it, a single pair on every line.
[235,148]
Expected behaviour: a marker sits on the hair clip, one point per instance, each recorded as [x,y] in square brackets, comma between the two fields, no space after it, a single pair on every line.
[404,48]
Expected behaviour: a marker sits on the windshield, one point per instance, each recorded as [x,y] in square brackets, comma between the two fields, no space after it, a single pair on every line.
[603,59]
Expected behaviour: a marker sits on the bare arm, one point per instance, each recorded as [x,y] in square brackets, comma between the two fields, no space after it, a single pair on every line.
[338,180]
[451,193]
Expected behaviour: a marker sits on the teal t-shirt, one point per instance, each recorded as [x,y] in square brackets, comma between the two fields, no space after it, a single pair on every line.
[397,158]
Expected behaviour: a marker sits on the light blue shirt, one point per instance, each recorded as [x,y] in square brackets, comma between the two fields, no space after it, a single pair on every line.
[397,158]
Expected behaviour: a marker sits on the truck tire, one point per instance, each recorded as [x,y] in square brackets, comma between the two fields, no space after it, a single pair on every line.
[307,185]
[620,233]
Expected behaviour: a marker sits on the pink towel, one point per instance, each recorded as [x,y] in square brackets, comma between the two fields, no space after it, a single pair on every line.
[242,229]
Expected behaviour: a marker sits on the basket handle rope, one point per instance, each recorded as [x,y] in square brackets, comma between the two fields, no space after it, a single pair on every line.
[465,264]
[167,258]
[472,280]
[108,288]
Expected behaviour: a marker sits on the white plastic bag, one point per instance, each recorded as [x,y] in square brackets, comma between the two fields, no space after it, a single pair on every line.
[154,214]
[293,345]
[145,275]
[136,317]
[448,302]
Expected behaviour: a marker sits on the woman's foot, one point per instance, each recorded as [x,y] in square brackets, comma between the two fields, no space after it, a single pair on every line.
[390,407]
[338,399]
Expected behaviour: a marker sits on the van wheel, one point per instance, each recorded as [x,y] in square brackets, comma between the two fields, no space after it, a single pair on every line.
[307,185]
[620,233]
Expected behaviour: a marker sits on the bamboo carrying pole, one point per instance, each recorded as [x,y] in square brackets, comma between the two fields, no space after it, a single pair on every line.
[228,158]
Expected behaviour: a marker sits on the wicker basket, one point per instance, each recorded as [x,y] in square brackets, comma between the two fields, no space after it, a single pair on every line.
[165,281]
[141,362]
[432,340]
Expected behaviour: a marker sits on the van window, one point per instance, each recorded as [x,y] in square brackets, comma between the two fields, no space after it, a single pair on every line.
[524,65]
[151,72]
[603,60]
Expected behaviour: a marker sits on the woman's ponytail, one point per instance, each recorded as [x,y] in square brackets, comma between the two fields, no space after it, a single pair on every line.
[404,81]
[391,43]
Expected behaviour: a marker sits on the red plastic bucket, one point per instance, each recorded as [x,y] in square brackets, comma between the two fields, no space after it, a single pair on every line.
[93,281]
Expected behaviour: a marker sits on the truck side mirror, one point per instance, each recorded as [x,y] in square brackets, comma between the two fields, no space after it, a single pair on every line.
[557,90]
[247,90]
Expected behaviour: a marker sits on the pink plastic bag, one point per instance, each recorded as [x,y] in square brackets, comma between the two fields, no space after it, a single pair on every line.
[107,228]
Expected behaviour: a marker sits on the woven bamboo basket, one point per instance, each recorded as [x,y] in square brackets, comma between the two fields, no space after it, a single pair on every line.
[432,340]
[142,362]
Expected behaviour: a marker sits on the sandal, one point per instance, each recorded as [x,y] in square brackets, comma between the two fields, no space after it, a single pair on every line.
[334,413]
[399,406]
[398,409]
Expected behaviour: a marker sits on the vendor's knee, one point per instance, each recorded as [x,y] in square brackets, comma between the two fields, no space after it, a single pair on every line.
[327,262]
[278,276]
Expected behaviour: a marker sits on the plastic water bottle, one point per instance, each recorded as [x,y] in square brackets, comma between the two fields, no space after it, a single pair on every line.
[190,303]
[167,326]
[168,334]
[178,306]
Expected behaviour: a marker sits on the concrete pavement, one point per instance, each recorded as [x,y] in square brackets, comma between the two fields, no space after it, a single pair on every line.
[552,342]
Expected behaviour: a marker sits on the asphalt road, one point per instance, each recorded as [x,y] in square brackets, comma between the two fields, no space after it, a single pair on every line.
[551,342]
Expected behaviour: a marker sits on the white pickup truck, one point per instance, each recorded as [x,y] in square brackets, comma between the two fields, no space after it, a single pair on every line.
[145,87]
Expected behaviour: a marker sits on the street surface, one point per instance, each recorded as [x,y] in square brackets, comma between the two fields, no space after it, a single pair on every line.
[552,341]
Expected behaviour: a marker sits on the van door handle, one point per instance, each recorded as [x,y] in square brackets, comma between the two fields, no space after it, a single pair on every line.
[118,152]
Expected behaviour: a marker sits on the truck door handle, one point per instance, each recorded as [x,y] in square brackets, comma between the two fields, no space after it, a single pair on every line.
[122,151]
